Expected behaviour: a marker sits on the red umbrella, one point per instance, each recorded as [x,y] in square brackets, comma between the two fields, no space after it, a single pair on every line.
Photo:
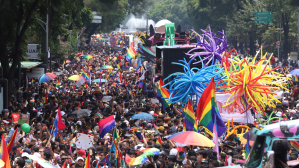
[79,54]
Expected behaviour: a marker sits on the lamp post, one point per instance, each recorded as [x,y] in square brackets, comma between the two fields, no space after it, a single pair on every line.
[46,29]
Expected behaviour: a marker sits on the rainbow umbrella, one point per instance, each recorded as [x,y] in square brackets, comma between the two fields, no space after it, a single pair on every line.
[75,77]
[106,67]
[68,61]
[88,57]
[191,138]
[46,77]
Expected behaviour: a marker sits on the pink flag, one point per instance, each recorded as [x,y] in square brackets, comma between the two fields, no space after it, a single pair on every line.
[215,140]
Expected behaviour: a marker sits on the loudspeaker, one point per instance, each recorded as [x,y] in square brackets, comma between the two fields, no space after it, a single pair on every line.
[169,54]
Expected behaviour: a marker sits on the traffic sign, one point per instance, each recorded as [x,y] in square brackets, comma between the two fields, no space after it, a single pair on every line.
[263,21]
[262,17]
[277,43]
[262,13]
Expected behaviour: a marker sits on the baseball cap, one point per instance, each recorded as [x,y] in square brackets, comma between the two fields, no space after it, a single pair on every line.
[81,152]
[79,158]
[161,128]
[27,151]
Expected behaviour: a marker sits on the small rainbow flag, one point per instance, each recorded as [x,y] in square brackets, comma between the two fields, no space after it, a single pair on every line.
[85,74]
[295,145]
[58,83]
[118,65]
[131,53]
[159,141]
[46,98]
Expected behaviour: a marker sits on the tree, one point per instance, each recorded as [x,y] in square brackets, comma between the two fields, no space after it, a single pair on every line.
[283,13]
[15,17]
[173,10]
[213,13]
[113,12]
[19,26]
[243,27]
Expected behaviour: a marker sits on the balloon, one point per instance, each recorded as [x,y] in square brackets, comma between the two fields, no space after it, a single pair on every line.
[26,128]
[252,82]
[214,47]
[193,81]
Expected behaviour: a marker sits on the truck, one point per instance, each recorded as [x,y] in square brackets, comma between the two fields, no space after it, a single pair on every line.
[261,154]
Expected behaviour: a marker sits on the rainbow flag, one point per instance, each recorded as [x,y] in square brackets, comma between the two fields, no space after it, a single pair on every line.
[163,95]
[106,125]
[97,115]
[12,141]
[295,78]
[87,161]
[118,65]
[207,110]
[46,98]
[131,53]
[189,116]
[184,125]
[64,164]
[4,153]
[159,141]
[85,74]
[58,83]
[295,145]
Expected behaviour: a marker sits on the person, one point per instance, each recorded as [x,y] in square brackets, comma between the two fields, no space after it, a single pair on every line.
[281,149]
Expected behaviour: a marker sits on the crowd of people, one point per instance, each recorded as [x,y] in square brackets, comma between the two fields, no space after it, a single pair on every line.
[42,101]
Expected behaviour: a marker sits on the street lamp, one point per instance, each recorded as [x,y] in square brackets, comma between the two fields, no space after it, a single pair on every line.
[47,36]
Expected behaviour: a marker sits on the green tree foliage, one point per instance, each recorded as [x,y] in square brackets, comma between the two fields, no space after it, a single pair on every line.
[19,26]
[113,12]
[213,13]
[172,10]
[286,14]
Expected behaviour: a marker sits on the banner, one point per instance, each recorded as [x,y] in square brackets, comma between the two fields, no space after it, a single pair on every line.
[228,114]
[84,141]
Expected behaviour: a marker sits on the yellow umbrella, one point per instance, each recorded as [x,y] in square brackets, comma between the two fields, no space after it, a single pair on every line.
[75,77]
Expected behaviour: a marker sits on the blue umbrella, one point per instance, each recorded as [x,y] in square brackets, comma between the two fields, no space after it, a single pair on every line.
[294,72]
[142,116]
[99,80]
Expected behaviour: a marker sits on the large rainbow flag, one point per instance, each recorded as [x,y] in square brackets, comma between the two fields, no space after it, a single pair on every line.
[131,53]
[163,95]
[207,110]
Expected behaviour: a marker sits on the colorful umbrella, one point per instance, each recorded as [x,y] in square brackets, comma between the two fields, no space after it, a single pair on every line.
[75,77]
[88,57]
[99,80]
[143,116]
[46,77]
[68,61]
[106,67]
[191,138]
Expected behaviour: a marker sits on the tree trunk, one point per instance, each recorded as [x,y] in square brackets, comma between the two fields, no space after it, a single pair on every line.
[286,29]
[235,42]
[251,46]
[241,47]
